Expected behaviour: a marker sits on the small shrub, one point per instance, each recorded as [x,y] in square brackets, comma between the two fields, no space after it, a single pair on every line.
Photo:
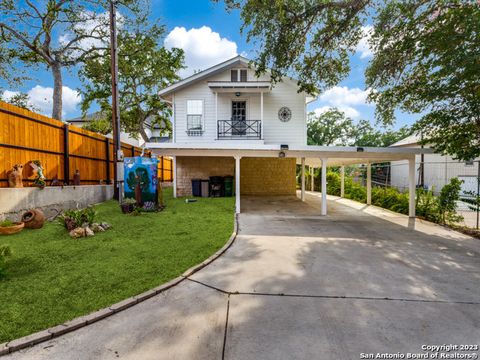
[447,202]
[333,183]
[5,252]
[6,223]
[76,218]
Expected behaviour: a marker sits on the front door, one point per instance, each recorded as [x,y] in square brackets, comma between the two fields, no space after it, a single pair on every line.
[239,117]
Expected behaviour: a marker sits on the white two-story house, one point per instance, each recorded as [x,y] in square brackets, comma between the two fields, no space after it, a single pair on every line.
[229,122]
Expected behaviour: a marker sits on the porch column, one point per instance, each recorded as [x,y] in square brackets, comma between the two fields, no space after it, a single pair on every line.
[261,115]
[303,180]
[369,184]
[342,181]
[237,184]
[411,187]
[312,178]
[324,187]
[216,112]
[174,165]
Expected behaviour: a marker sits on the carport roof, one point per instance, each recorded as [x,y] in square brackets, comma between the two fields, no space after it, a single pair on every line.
[335,155]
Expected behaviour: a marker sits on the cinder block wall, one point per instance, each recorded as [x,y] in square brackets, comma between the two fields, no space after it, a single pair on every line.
[197,167]
[267,176]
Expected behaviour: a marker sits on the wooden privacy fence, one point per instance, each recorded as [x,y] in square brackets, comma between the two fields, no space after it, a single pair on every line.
[61,148]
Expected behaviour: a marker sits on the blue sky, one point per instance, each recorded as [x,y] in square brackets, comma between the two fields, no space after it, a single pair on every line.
[209,34]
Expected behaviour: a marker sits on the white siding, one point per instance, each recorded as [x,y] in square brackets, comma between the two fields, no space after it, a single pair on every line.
[274,131]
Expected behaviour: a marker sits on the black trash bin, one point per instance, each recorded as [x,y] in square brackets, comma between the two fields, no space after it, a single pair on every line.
[216,186]
[228,185]
[196,187]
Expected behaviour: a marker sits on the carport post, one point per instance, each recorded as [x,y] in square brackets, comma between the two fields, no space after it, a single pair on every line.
[369,183]
[174,165]
[303,180]
[324,187]
[237,184]
[312,178]
[411,187]
[342,181]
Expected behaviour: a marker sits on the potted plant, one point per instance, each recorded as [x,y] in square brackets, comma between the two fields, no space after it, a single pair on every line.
[8,227]
[128,205]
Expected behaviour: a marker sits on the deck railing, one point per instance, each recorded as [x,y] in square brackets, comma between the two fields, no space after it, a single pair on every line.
[239,129]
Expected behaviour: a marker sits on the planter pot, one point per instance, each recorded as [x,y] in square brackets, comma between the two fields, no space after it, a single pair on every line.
[127,208]
[15,228]
[33,219]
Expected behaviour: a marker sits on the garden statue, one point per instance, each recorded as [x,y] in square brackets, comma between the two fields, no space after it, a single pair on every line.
[76,178]
[15,176]
[38,171]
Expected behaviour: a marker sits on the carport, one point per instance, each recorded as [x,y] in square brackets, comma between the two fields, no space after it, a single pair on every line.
[314,156]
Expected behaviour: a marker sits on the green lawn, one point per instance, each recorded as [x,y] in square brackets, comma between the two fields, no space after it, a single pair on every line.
[53,278]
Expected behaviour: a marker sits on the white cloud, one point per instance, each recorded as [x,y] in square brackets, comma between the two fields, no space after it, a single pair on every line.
[203,47]
[348,110]
[344,99]
[363,47]
[41,98]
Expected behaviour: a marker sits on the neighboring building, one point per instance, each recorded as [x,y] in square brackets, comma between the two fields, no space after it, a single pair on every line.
[229,122]
[438,169]
[153,133]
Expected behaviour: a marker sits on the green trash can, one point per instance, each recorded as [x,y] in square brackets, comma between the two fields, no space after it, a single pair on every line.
[228,185]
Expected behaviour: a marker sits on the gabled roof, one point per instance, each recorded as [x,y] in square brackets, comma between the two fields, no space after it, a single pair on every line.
[408,141]
[237,60]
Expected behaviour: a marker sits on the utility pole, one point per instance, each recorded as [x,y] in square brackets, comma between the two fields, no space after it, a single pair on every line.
[117,156]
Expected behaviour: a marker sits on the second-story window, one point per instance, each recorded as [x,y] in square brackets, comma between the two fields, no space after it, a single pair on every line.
[194,117]
[238,75]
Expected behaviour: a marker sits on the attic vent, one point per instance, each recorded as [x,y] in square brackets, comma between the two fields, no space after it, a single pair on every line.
[238,75]
[234,75]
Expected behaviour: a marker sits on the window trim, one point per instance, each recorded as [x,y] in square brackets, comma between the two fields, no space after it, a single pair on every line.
[195,132]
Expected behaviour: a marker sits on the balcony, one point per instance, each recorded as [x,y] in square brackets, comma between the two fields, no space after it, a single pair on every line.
[239,129]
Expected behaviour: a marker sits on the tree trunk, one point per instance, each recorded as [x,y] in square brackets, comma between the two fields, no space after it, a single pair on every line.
[57,91]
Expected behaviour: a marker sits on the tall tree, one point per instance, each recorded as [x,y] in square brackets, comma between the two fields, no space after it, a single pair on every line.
[56,34]
[427,61]
[144,69]
[334,128]
[330,128]
[310,39]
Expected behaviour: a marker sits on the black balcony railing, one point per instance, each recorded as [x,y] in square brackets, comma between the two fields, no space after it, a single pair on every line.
[239,129]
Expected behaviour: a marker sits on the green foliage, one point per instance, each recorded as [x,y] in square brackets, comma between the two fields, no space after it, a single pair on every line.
[447,201]
[427,206]
[6,223]
[334,128]
[144,68]
[426,61]
[21,100]
[101,125]
[79,217]
[5,252]
[311,39]
[54,279]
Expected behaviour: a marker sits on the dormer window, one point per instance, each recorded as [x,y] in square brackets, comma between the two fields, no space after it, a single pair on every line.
[238,75]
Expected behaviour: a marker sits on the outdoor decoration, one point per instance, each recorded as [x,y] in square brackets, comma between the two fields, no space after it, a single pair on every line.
[284,114]
[33,219]
[80,223]
[141,181]
[38,170]
[8,227]
[128,205]
[76,178]
[56,182]
[15,176]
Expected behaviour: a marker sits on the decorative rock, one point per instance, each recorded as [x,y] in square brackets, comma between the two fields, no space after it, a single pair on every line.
[89,232]
[96,227]
[105,225]
[77,232]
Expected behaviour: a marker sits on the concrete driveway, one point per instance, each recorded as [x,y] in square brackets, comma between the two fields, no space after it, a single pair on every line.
[295,285]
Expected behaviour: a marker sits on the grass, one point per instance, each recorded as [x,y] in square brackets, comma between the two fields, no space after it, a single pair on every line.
[52,278]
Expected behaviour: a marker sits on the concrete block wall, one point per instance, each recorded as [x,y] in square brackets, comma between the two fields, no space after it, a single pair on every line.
[198,167]
[267,176]
[51,200]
